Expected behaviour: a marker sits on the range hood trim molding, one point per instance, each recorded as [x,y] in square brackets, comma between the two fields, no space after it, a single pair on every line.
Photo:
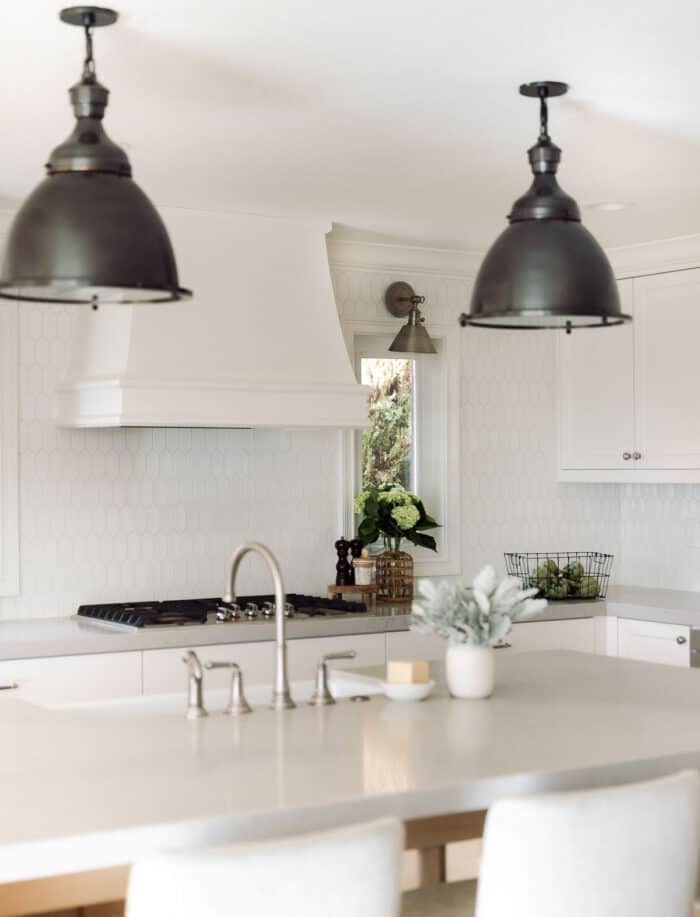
[116,402]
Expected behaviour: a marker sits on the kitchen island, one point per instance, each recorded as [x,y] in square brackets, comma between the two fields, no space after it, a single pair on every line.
[94,787]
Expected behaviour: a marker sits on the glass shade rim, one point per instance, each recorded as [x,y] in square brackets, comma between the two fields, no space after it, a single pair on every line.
[11,290]
[544,319]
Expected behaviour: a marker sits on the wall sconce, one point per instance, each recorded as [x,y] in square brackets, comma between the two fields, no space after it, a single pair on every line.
[401,300]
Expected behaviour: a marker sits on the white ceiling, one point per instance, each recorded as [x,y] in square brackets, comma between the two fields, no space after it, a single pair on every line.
[389,116]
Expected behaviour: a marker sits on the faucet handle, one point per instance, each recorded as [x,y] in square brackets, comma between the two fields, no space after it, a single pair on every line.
[322,695]
[237,704]
[344,654]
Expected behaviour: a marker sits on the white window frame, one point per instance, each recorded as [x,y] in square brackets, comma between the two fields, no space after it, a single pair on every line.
[444,447]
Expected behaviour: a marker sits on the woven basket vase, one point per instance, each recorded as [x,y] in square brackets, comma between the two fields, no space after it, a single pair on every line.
[394,577]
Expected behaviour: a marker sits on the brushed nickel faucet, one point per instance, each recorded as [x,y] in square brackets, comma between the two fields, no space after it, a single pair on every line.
[195,705]
[281,697]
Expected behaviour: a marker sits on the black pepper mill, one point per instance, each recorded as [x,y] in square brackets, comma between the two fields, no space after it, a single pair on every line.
[343,569]
[355,551]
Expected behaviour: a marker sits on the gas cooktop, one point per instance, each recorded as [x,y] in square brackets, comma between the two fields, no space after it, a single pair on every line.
[208,611]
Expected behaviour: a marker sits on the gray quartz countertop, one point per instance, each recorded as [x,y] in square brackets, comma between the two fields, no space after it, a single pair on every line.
[157,781]
[66,636]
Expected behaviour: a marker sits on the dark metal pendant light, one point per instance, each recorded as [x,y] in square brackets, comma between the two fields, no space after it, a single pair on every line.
[87,233]
[545,270]
[401,300]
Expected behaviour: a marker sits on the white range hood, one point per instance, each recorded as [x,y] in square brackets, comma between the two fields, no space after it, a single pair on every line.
[259,345]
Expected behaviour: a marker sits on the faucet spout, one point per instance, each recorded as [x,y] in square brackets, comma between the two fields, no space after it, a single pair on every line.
[281,697]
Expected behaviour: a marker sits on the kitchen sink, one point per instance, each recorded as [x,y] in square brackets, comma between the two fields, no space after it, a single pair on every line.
[343,684]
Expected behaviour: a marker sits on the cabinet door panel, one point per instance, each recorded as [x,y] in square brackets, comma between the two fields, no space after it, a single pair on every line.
[650,641]
[575,634]
[596,394]
[68,679]
[667,372]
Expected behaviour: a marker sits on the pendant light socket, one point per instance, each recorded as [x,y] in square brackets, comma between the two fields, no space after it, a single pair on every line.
[401,300]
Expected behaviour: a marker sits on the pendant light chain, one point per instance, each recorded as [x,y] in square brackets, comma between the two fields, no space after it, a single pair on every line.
[89,74]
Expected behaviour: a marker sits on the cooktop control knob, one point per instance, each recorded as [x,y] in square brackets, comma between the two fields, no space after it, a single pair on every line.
[251,610]
[288,610]
[226,612]
[268,610]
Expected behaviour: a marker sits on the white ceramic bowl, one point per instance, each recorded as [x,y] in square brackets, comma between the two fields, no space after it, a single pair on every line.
[408,692]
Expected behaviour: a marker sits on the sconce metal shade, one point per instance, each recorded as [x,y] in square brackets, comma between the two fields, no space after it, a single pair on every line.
[545,270]
[401,300]
[88,233]
[413,338]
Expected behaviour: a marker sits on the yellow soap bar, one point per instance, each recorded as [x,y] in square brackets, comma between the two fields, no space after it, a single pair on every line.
[400,672]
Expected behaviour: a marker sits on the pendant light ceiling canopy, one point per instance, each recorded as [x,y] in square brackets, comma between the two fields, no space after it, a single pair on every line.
[545,270]
[87,233]
[401,300]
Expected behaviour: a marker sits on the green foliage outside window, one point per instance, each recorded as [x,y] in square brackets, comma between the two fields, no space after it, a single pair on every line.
[387,444]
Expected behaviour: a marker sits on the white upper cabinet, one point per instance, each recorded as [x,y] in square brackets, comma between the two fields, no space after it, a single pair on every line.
[667,336]
[628,407]
[596,393]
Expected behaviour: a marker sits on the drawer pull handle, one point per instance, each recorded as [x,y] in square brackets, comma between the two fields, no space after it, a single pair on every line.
[502,646]
[10,687]
[680,640]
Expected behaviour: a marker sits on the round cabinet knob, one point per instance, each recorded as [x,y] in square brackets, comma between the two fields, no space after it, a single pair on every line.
[627,456]
[681,640]
[636,456]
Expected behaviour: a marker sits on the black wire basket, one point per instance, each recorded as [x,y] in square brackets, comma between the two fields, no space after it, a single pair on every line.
[562,575]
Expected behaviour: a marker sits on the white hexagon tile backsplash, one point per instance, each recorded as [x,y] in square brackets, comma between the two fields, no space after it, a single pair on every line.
[128,514]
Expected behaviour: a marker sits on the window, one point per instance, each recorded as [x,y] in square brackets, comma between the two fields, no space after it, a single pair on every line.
[413,438]
[387,451]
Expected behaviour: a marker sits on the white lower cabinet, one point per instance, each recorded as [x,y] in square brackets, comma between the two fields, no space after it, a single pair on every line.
[164,671]
[650,641]
[574,634]
[65,679]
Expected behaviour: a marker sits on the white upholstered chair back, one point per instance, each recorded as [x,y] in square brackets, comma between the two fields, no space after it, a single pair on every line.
[347,872]
[626,851]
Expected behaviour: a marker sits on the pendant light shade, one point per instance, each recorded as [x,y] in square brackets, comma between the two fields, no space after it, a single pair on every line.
[401,300]
[545,270]
[88,233]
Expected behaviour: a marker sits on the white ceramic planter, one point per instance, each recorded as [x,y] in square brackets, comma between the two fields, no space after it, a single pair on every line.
[470,670]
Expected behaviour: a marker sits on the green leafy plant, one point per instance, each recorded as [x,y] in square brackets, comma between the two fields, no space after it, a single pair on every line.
[481,614]
[394,513]
[386,444]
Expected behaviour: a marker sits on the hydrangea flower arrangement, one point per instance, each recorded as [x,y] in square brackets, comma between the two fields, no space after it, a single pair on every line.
[394,513]
[481,614]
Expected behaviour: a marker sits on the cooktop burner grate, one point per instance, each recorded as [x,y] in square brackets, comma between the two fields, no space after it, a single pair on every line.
[200,611]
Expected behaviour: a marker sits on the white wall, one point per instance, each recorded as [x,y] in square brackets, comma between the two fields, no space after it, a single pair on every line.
[114,515]
[661,535]
[109,515]
[511,500]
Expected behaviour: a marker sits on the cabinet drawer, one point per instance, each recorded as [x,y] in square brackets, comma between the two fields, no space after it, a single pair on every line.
[67,679]
[164,672]
[653,642]
[575,634]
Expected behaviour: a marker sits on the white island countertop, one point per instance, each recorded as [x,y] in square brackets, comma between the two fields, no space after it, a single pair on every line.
[82,789]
